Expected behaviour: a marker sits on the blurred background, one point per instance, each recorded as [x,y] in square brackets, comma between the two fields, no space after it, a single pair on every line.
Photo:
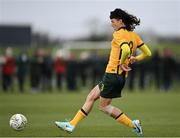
[62,46]
[45,44]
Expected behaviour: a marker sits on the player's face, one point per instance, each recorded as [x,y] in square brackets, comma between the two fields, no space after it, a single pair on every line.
[116,24]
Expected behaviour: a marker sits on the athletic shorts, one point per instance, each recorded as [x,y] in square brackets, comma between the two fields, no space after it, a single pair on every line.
[111,85]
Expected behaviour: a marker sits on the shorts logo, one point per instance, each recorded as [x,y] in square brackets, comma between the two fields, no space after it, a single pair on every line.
[102,87]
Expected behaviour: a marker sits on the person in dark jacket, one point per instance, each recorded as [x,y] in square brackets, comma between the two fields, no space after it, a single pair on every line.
[22,69]
[168,69]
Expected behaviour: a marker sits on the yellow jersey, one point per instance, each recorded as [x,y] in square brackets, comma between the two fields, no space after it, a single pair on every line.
[121,37]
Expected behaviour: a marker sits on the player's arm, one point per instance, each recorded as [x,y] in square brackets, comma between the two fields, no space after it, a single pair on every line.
[145,53]
[121,41]
[125,51]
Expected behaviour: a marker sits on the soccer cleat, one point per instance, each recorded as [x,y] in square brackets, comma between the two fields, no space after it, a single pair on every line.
[137,127]
[65,126]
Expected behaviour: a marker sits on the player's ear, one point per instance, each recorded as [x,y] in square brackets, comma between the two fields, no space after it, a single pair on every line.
[120,20]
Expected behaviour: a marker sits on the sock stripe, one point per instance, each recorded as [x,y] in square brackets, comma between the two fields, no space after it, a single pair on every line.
[84,112]
[119,115]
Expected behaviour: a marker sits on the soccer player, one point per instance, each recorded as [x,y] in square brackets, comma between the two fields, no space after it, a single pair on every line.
[124,44]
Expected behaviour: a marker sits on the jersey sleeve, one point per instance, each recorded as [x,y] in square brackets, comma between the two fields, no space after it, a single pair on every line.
[145,52]
[139,41]
[124,52]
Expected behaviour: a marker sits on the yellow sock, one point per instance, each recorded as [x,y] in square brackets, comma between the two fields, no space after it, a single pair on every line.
[78,117]
[122,118]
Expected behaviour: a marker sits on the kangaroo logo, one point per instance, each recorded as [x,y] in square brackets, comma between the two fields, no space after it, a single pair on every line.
[102,87]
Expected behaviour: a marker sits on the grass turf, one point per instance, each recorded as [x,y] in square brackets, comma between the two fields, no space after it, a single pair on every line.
[158,111]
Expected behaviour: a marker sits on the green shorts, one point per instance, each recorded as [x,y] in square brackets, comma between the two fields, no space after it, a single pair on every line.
[111,85]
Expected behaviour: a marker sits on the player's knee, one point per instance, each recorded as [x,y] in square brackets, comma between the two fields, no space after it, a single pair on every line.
[102,108]
[106,109]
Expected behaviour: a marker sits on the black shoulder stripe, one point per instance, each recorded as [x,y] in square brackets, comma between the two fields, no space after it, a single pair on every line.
[124,43]
[140,45]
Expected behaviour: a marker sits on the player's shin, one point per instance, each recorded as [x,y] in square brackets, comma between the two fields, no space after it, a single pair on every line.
[123,119]
[81,114]
[118,115]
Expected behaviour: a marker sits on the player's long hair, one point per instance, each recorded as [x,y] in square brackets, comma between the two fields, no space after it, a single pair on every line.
[129,20]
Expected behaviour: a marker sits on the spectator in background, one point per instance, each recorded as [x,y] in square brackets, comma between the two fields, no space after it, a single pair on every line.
[71,73]
[59,67]
[97,67]
[36,70]
[83,67]
[178,69]
[168,68]
[94,62]
[47,71]
[156,68]
[22,69]
[142,74]
[2,61]
[8,70]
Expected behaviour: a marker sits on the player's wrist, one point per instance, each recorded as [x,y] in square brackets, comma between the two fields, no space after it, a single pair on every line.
[133,59]
[125,67]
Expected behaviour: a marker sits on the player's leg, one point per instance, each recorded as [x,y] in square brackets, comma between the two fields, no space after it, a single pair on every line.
[106,107]
[86,108]
[114,112]
[91,98]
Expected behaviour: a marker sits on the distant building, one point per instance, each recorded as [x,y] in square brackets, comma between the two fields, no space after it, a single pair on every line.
[15,35]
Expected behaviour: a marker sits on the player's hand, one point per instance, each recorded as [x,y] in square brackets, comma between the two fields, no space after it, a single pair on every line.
[125,67]
[132,59]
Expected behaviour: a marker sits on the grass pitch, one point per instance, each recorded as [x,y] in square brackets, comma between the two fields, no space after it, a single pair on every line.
[159,113]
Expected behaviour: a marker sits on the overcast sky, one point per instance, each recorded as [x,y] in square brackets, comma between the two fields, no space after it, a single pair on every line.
[68,18]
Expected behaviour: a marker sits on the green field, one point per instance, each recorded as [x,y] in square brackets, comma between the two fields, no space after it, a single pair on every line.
[159,113]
